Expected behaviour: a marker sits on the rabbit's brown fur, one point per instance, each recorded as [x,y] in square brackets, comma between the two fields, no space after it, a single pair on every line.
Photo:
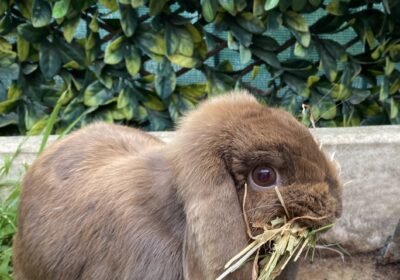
[110,202]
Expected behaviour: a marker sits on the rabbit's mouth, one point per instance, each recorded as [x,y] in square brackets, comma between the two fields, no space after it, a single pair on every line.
[314,202]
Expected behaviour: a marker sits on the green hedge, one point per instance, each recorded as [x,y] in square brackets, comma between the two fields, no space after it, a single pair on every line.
[145,62]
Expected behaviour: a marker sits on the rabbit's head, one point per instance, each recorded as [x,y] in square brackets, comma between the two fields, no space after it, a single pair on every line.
[232,140]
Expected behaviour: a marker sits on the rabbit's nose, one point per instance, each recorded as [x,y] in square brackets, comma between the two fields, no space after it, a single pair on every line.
[313,202]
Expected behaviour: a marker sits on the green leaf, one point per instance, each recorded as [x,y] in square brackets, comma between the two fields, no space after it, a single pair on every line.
[295,21]
[245,54]
[384,90]
[6,52]
[154,103]
[394,108]
[328,24]
[91,41]
[25,7]
[31,34]
[274,20]
[151,41]
[128,19]
[49,60]
[228,5]
[9,72]
[240,34]
[165,82]
[328,62]
[284,5]
[156,6]
[158,121]
[109,4]
[298,5]
[218,83]
[96,94]
[60,8]
[325,109]
[258,7]
[209,9]
[114,51]
[29,68]
[292,102]
[186,44]
[195,33]
[184,61]
[32,113]
[3,6]
[137,3]
[270,4]
[315,3]
[118,114]
[8,119]
[232,43]
[14,92]
[5,106]
[304,38]
[269,57]
[298,85]
[171,38]
[193,91]
[38,126]
[251,23]
[132,60]
[94,25]
[128,98]
[255,72]
[224,66]
[265,42]
[6,23]
[311,80]
[173,108]
[337,8]
[241,5]
[358,95]
[179,40]
[142,114]
[389,66]
[340,92]
[300,51]
[41,13]
[70,52]
[22,48]
[70,26]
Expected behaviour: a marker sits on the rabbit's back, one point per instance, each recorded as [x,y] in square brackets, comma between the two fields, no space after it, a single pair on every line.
[90,210]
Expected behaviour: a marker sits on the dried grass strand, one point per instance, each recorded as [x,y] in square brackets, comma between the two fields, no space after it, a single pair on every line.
[246,220]
[281,200]
[290,241]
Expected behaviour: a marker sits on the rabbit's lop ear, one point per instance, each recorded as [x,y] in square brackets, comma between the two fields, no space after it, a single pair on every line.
[215,228]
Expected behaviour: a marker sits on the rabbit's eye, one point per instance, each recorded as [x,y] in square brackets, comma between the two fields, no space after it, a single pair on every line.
[263,176]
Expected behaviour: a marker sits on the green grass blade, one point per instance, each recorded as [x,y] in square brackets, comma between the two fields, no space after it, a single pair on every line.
[52,120]
[74,123]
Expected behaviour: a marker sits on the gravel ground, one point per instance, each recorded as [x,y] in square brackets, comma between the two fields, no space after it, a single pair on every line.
[356,267]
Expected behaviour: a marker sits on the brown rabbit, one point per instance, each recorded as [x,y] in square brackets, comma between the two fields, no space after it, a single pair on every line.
[111,202]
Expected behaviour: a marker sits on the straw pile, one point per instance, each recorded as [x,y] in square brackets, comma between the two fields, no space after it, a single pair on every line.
[286,240]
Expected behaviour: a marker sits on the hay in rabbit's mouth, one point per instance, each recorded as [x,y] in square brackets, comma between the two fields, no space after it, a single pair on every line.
[282,240]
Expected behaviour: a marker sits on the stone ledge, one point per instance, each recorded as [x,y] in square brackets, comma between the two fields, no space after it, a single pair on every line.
[370,170]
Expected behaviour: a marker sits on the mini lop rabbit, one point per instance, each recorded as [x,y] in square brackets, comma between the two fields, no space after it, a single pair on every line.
[111,202]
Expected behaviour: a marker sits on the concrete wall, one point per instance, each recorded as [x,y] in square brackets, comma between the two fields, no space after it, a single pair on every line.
[370,170]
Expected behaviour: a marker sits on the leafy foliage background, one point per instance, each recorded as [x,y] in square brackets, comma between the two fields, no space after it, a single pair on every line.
[145,62]
[65,63]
